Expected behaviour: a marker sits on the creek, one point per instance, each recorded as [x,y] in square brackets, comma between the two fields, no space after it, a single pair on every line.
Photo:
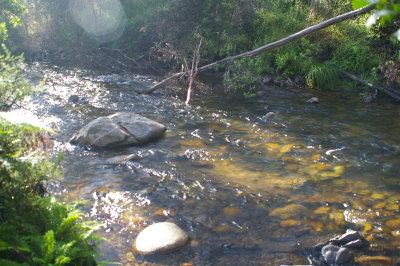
[247,188]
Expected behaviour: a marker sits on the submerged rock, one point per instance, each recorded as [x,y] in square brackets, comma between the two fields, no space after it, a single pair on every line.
[289,211]
[268,116]
[313,100]
[161,238]
[121,159]
[120,129]
[336,251]
[393,224]
[334,255]
[374,261]
[351,239]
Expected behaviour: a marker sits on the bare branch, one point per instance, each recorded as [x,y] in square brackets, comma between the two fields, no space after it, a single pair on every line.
[193,71]
[262,49]
[393,93]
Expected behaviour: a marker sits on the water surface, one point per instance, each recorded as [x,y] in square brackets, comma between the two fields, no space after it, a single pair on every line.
[247,188]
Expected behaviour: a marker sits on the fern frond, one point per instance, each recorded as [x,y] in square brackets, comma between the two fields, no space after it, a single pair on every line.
[68,223]
[49,243]
[64,250]
[62,260]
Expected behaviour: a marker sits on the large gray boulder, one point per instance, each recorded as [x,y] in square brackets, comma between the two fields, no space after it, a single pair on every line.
[120,129]
[161,238]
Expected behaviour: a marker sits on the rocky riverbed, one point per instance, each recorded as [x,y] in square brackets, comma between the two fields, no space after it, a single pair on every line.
[245,188]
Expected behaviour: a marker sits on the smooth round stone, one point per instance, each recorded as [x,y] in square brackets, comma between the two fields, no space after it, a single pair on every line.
[161,238]
[334,255]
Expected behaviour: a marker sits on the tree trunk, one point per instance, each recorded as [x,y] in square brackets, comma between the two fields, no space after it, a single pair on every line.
[262,49]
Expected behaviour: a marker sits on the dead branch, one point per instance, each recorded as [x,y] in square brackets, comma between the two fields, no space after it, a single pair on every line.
[393,93]
[262,49]
[193,71]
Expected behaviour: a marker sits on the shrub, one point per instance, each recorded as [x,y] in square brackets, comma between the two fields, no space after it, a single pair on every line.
[13,87]
[34,229]
[241,77]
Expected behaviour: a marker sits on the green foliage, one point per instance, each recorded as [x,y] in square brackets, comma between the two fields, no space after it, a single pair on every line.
[241,77]
[355,56]
[20,157]
[52,234]
[34,229]
[168,30]
[10,12]
[386,12]
[13,87]
[224,26]
[314,59]
[321,76]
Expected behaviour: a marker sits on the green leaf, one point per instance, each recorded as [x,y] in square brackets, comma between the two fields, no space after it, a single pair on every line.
[64,249]
[361,3]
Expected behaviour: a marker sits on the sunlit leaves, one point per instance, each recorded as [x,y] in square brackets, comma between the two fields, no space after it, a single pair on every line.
[10,12]
[361,3]
[13,87]
[386,12]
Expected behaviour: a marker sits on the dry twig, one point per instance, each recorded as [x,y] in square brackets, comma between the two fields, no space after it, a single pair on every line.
[193,71]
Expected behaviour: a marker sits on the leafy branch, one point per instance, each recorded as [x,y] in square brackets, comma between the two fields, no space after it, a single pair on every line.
[386,12]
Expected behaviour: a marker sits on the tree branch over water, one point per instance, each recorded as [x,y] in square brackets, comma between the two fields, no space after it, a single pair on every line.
[270,46]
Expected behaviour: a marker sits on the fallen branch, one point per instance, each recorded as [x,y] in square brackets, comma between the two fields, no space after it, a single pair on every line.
[193,71]
[393,93]
[262,49]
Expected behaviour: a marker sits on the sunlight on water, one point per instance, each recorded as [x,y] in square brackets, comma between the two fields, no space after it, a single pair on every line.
[246,189]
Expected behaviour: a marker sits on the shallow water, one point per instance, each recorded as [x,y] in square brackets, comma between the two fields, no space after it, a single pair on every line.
[246,188]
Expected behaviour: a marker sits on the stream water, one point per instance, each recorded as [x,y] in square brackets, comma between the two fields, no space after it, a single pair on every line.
[247,188]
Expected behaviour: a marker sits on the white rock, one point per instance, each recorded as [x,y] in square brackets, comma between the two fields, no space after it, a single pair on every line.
[161,238]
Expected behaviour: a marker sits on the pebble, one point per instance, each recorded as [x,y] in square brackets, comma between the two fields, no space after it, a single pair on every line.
[121,159]
[290,223]
[288,211]
[322,210]
[393,224]
[231,211]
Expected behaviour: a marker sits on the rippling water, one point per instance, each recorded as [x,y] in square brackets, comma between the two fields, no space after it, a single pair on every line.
[246,187]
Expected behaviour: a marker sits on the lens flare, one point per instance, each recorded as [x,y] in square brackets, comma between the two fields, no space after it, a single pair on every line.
[103,20]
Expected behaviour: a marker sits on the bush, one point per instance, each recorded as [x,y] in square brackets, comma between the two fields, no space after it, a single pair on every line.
[241,77]
[34,229]
[13,87]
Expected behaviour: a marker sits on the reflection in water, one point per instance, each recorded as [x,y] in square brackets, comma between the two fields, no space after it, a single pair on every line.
[246,189]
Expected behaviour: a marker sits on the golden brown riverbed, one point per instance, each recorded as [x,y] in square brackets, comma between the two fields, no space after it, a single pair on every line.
[246,188]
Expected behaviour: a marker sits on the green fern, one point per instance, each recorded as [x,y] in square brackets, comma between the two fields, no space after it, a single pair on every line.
[48,246]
